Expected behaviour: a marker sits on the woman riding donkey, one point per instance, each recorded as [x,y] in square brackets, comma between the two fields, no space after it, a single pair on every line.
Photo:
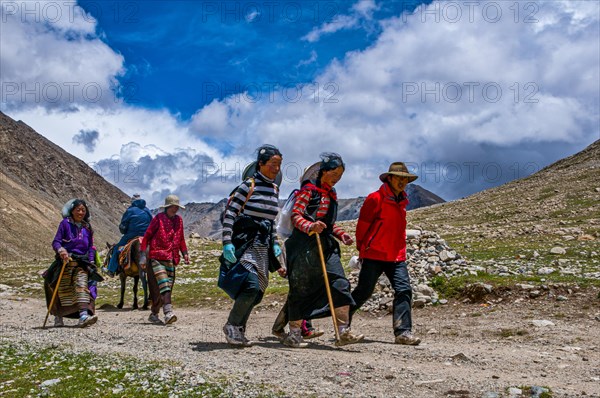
[134,223]
[250,246]
[315,212]
[123,258]
[73,272]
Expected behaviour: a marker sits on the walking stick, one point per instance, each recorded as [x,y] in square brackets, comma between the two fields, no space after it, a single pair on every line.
[55,291]
[327,288]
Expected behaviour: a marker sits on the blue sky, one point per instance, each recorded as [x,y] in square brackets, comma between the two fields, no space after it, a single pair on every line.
[224,47]
[173,96]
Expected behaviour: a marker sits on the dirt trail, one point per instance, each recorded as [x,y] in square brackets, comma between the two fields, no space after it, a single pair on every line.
[468,350]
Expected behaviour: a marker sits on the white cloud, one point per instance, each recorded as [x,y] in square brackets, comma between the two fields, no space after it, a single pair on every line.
[361,11]
[145,151]
[115,127]
[228,119]
[477,90]
[312,59]
[373,107]
[52,57]
[365,8]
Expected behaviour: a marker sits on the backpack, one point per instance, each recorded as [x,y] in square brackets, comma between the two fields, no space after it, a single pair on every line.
[250,191]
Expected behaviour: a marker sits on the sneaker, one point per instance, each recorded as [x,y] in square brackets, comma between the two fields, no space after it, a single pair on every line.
[245,341]
[294,339]
[347,337]
[232,335]
[58,322]
[280,334]
[407,338]
[87,320]
[312,333]
[170,318]
[153,318]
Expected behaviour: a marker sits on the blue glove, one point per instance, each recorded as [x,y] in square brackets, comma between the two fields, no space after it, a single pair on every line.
[229,253]
[277,250]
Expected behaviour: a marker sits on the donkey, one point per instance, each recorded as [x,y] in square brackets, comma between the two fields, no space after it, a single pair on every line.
[132,270]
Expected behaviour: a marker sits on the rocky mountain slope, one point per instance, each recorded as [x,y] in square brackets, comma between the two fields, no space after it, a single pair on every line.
[36,178]
[551,218]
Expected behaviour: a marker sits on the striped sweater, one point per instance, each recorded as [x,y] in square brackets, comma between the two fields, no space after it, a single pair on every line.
[299,209]
[263,204]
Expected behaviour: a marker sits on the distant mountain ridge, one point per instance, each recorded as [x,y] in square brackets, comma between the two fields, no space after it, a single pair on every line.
[203,218]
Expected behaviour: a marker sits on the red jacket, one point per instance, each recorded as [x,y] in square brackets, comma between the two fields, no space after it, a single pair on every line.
[165,237]
[381,228]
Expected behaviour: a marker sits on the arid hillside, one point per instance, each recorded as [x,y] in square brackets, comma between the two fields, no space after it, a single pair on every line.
[530,219]
[36,178]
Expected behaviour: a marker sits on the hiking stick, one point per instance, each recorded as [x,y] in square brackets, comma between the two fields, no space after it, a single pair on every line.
[327,288]
[55,291]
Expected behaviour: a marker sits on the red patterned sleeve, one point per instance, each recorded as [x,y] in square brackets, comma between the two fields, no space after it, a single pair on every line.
[298,219]
[182,245]
[338,231]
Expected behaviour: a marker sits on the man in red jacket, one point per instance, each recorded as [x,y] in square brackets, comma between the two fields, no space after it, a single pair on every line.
[166,240]
[381,241]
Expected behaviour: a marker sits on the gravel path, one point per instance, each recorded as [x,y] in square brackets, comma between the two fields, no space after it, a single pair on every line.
[468,350]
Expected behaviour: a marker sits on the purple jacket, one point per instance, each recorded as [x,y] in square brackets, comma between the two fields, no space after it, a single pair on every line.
[73,238]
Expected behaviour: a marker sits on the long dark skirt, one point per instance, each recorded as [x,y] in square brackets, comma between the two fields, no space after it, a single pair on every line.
[307,298]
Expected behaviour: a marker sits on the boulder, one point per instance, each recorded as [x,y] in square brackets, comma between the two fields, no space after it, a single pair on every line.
[424,290]
[540,323]
[545,270]
[413,233]
[446,255]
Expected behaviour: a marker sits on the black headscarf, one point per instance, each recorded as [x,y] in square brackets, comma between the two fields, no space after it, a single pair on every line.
[266,152]
[329,161]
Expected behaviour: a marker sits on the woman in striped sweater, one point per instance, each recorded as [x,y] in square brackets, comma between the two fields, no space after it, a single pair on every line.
[249,238]
[315,210]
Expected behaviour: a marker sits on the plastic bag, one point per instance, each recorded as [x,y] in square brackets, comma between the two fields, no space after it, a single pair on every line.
[283,223]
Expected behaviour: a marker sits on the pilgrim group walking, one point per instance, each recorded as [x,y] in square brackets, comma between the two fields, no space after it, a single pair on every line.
[252,248]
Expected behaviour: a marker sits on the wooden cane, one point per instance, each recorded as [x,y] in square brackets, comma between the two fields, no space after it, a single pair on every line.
[55,291]
[327,288]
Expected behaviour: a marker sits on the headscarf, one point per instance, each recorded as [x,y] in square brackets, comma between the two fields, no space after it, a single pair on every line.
[266,152]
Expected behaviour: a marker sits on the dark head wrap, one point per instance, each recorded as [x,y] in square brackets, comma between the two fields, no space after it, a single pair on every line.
[331,161]
[266,152]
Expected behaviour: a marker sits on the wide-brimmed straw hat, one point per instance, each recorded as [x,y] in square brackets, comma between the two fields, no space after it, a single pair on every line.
[311,172]
[398,169]
[171,200]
